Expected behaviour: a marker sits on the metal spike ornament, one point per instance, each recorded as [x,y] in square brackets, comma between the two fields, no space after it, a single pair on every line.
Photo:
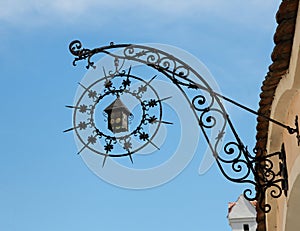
[105,125]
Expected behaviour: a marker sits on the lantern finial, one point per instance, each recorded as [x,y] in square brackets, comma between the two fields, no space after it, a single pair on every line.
[118,115]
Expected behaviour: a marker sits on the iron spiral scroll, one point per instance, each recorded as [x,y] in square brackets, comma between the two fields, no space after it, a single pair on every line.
[234,160]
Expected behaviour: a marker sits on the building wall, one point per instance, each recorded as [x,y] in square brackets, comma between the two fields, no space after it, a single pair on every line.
[286,105]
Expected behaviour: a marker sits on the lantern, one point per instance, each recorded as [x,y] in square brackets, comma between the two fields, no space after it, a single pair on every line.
[118,115]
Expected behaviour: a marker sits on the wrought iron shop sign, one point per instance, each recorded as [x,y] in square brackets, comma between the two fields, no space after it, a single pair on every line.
[105,124]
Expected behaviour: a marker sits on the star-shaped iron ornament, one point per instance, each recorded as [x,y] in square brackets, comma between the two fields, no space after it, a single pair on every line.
[127,145]
[82,108]
[144,136]
[92,94]
[108,147]
[108,84]
[126,82]
[82,125]
[92,139]
[152,103]
[152,119]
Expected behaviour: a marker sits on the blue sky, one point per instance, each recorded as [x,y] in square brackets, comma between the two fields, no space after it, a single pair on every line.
[44,185]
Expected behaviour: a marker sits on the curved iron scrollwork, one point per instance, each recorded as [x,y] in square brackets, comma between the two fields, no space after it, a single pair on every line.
[232,157]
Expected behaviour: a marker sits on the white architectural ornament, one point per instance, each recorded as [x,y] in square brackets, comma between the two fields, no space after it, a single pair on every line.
[242,215]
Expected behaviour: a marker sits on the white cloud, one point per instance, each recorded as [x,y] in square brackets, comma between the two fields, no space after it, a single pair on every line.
[38,12]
